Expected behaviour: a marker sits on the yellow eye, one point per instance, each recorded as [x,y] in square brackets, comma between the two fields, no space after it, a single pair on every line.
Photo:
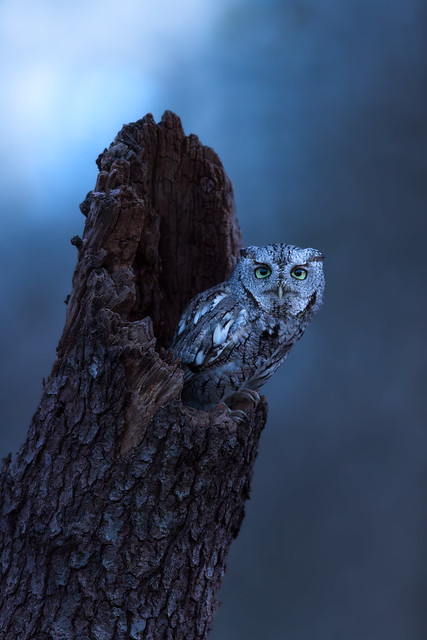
[262,272]
[299,273]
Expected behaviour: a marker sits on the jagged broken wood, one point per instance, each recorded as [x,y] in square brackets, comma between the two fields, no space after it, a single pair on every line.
[119,510]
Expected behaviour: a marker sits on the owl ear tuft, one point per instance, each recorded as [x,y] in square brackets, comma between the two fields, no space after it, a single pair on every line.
[248,252]
[317,257]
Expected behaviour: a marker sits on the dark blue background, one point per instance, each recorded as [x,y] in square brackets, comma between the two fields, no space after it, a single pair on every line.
[318,112]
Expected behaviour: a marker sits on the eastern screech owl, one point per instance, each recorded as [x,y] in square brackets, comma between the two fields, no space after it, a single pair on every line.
[232,337]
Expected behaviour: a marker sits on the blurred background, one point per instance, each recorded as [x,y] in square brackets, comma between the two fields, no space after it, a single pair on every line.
[318,112]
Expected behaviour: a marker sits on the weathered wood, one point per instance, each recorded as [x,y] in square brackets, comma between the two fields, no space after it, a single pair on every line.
[120,508]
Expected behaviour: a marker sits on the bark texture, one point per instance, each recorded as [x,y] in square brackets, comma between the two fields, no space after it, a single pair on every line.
[119,509]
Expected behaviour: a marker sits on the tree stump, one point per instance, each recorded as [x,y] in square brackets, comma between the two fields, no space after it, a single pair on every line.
[119,509]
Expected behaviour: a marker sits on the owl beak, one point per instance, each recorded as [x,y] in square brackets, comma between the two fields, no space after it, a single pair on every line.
[280,291]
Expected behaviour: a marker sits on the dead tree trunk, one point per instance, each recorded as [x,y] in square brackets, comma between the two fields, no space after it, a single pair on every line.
[119,509]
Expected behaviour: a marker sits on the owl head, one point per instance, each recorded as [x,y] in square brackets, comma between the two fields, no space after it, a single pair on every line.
[281,278]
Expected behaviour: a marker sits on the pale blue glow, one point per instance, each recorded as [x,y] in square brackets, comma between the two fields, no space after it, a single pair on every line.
[74,73]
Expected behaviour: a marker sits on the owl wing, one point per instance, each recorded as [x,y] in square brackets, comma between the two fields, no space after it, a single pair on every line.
[213,323]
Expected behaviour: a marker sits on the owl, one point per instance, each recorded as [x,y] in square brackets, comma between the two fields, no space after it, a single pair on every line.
[232,337]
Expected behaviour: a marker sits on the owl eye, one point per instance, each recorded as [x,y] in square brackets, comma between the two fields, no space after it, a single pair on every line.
[298,273]
[262,272]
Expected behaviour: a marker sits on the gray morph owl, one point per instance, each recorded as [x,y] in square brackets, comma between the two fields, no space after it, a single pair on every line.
[232,337]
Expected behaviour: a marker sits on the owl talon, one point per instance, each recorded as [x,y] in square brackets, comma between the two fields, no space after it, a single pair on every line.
[247,394]
[239,416]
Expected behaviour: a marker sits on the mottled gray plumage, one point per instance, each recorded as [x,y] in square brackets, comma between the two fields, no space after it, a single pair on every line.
[233,336]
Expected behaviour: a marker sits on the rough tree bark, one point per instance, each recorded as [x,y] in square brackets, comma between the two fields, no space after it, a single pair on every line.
[119,509]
